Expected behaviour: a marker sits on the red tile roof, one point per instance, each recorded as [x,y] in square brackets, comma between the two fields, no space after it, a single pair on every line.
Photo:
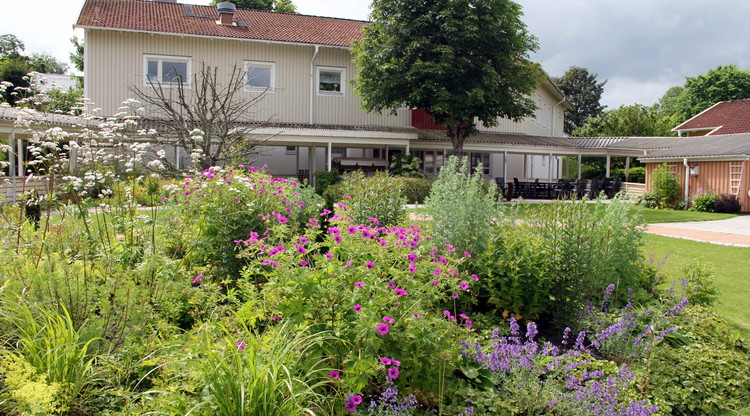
[724,117]
[195,20]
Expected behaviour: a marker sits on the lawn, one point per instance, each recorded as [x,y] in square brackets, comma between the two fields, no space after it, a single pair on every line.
[730,263]
[653,216]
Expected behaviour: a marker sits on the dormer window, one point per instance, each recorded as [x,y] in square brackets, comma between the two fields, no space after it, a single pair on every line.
[331,81]
[260,76]
[167,70]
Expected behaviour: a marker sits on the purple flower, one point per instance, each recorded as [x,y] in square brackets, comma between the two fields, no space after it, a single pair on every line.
[197,278]
[466,253]
[388,319]
[334,374]
[393,373]
[359,284]
[240,345]
[455,295]
[357,308]
[329,256]
[401,292]
[303,263]
[385,361]
[416,315]
[392,285]
[383,328]
[348,263]
[276,318]
[463,285]
[337,239]
[282,219]
[370,265]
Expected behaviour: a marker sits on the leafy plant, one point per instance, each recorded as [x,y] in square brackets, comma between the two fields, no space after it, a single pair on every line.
[406,165]
[704,202]
[373,197]
[326,178]
[728,203]
[461,210]
[665,188]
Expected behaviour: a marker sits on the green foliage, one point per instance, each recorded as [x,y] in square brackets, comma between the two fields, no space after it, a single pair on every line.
[218,207]
[584,92]
[460,208]
[13,70]
[10,46]
[373,197]
[406,165]
[237,372]
[704,202]
[562,255]
[415,190]
[637,174]
[707,376]
[725,82]
[69,102]
[664,188]
[47,64]
[45,355]
[326,178]
[698,284]
[77,55]
[458,61]
[629,121]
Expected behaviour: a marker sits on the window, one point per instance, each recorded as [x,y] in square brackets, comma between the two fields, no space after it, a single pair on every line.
[484,159]
[167,70]
[291,150]
[331,81]
[260,76]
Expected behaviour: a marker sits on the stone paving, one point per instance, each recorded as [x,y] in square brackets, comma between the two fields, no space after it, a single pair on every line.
[731,232]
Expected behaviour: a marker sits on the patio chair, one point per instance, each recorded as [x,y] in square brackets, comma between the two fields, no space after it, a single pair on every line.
[596,188]
[565,189]
[581,188]
[614,189]
[500,181]
[519,189]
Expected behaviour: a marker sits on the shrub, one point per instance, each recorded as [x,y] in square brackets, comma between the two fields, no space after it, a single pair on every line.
[326,178]
[566,252]
[665,187]
[406,165]
[728,203]
[415,190]
[704,202]
[706,375]
[460,207]
[698,284]
[637,174]
[376,196]
[647,200]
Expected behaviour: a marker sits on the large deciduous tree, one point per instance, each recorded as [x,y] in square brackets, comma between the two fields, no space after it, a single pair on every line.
[459,60]
[583,90]
[726,82]
[627,121]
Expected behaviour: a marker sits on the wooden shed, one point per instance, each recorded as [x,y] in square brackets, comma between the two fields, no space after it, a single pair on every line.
[720,164]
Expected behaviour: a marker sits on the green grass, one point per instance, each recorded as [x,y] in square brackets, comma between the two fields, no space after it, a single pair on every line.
[731,265]
[667,215]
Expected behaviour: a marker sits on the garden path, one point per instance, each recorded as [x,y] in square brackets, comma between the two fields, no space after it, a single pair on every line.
[731,232]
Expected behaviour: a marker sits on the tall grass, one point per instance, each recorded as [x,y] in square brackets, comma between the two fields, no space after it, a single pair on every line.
[49,342]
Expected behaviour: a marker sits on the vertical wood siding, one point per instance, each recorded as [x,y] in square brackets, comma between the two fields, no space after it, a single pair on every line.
[712,176]
[116,64]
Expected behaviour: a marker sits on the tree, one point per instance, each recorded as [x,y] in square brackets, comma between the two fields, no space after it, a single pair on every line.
[202,117]
[77,55]
[584,92]
[627,121]
[460,61]
[721,84]
[282,6]
[47,64]
[10,46]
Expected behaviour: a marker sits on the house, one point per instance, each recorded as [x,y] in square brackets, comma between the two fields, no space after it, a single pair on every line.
[724,117]
[303,66]
[720,164]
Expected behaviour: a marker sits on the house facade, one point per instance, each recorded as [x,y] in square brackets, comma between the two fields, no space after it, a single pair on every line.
[302,66]
[724,117]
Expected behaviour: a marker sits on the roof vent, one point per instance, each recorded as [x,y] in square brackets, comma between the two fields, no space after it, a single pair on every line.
[226,12]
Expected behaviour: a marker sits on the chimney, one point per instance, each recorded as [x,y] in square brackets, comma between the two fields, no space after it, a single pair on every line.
[226,13]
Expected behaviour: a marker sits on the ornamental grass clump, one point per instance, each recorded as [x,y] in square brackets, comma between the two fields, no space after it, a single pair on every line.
[462,206]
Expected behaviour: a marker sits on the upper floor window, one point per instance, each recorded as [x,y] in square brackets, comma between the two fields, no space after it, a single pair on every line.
[167,70]
[331,80]
[260,76]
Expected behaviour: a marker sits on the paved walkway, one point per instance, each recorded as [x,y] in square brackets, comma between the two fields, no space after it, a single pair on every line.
[732,232]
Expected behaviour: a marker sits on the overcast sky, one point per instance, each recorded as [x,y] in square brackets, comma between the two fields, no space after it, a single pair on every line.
[641,47]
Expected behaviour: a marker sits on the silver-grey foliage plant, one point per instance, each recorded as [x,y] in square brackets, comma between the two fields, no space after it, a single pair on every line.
[462,206]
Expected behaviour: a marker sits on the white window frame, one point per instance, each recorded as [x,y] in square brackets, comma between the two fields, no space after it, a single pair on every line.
[161,59]
[341,71]
[261,64]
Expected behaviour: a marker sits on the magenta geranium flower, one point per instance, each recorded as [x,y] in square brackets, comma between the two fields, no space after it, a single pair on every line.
[197,278]
[359,284]
[303,263]
[401,292]
[334,374]
[388,319]
[357,308]
[240,345]
[370,265]
[383,328]
[463,286]
[393,373]
[385,361]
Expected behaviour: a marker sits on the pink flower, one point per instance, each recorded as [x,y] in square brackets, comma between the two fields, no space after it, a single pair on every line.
[385,361]
[197,278]
[359,284]
[370,265]
[397,363]
[383,328]
[393,373]
[282,219]
[463,286]
[392,285]
[337,239]
[357,308]
[329,256]
[334,374]
[388,319]
[303,263]
[304,240]
[240,345]
[466,253]
[347,196]
[375,220]
[473,276]
[455,295]
[325,212]
[348,263]
[435,283]
[401,292]
[276,318]
[416,315]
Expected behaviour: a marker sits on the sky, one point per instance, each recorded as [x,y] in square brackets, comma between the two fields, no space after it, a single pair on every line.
[640,47]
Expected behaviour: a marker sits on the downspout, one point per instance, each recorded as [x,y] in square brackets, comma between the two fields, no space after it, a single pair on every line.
[552,130]
[312,84]
[687,180]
